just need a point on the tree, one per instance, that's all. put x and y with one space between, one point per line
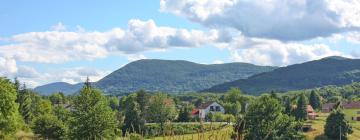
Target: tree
315 100
337 126
161 109
114 103
50 127
232 108
265 120
142 99
185 114
288 106
25 106
93 118
10 119
233 95
300 111
132 122
57 98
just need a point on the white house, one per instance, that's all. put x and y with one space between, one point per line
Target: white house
206 108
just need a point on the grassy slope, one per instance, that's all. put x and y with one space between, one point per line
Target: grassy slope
318 126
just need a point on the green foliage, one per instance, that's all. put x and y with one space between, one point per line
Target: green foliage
161 109
265 120
114 102
300 111
185 114
62 113
315 100
10 119
336 125
132 122
50 127
25 103
92 116
142 99
57 98
232 108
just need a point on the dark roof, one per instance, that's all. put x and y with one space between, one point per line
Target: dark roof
205 105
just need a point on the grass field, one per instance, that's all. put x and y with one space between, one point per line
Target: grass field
318 126
222 134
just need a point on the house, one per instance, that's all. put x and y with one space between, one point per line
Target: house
328 107
210 107
311 113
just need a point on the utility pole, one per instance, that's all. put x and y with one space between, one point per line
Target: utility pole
340 131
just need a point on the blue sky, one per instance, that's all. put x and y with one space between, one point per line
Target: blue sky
45 41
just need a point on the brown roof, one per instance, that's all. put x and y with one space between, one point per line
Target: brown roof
328 105
351 105
205 105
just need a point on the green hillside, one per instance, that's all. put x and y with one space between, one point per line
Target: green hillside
326 71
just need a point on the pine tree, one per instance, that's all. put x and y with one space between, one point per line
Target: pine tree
93 117
184 115
300 111
288 106
25 106
336 125
132 122
314 100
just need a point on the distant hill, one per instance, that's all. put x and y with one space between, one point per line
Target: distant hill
63 87
172 76
327 71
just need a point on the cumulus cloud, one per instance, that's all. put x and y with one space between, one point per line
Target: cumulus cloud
62 46
7 66
274 52
283 20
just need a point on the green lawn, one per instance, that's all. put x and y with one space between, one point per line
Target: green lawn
318 126
222 134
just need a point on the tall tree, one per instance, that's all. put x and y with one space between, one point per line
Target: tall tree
161 109
233 95
10 119
93 118
315 100
337 126
288 106
142 99
25 106
259 126
132 121
300 111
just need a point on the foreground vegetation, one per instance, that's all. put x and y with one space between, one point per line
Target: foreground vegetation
92 115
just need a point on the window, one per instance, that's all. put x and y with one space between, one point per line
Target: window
212 108
217 108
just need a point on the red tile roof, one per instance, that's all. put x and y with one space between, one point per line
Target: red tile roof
195 111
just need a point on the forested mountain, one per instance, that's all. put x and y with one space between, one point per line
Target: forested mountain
326 71
63 87
174 76
170 76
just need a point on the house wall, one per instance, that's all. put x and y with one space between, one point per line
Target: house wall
204 112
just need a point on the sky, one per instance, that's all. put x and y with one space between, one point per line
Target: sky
44 41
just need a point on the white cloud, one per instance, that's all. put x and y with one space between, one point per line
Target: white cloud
58 27
63 46
273 52
69 75
7 66
275 19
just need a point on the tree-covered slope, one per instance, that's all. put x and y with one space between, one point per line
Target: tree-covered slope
326 71
174 76
63 87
